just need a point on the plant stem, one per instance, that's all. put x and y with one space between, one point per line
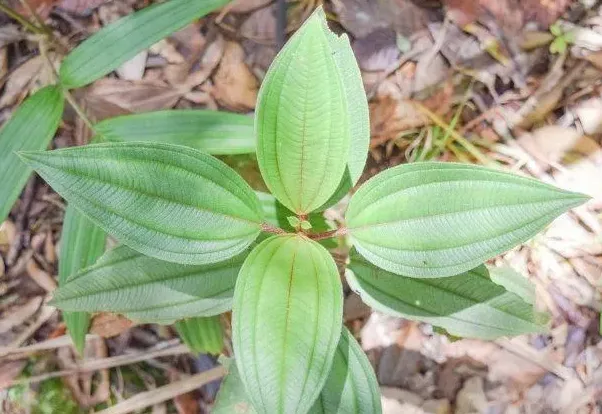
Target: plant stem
268 228
328 234
78 109
22 20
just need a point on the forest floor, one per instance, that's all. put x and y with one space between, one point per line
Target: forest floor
491 82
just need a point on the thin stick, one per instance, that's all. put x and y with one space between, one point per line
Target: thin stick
167 392
105 363
24 351
21 19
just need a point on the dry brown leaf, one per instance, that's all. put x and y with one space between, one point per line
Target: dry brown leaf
390 117
503 365
377 51
245 6
510 15
108 325
21 80
18 315
42 278
550 143
41 7
142 96
235 86
80 6
8 233
133 69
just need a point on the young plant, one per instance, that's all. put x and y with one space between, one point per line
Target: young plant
190 228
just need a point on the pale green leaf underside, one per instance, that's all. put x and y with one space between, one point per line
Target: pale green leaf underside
514 282
440 219
467 305
202 334
30 128
150 290
118 42
286 322
351 387
302 120
166 201
82 243
214 132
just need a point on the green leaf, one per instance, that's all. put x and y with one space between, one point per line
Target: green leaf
166 201
82 242
202 335
351 387
214 132
31 128
302 121
359 120
118 42
514 282
467 305
286 322
440 219
232 396
150 290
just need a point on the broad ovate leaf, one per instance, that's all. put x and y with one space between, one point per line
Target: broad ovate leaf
30 128
351 387
120 41
302 120
440 219
513 282
466 305
82 243
150 290
166 201
202 335
286 322
214 132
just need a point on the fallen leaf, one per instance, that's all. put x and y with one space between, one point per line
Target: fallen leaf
377 51
21 80
471 398
235 86
259 33
133 69
41 7
18 315
390 117
362 17
108 325
245 6
132 96
81 7
510 15
550 143
589 113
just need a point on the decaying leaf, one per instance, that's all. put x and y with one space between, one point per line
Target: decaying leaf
108 325
80 6
141 96
22 80
235 86
245 6
548 144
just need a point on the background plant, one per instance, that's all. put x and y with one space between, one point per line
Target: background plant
204 216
